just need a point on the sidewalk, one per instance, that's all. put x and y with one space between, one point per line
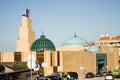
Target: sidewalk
96 78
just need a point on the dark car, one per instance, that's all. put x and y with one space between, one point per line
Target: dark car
89 75
72 75
99 74
41 78
54 76
104 73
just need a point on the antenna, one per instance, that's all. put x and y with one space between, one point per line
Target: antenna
75 35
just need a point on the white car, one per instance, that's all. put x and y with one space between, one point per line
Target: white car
109 77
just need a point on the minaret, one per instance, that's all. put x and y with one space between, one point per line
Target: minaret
26 34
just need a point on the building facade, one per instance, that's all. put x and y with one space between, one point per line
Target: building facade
75 53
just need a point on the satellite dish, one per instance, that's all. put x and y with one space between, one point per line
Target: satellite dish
44 64
37 67
31 64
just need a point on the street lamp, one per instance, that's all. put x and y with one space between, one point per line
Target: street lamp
107 68
44 64
31 62
81 68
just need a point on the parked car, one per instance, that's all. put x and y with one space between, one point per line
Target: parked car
60 74
99 74
89 75
44 78
72 75
109 77
54 76
41 78
104 73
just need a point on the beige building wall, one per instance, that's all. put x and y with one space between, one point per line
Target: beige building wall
112 56
26 37
74 60
110 62
88 62
50 59
7 56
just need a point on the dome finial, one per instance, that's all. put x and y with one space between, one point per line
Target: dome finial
42 32
75 35
43 36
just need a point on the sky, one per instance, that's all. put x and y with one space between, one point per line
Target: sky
59 19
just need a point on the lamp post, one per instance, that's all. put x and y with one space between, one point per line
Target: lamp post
107 68
44 64
81 68
31 62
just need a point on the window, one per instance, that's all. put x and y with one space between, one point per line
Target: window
58 58
50 59
17 56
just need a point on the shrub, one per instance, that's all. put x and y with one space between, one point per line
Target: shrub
2 68
20 66
116 72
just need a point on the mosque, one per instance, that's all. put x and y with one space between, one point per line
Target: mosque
75 53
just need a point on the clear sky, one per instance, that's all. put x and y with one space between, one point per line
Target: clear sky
59 19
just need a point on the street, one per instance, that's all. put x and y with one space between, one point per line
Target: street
96 78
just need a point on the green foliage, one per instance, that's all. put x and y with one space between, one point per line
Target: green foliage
116 72
2 68
24 66
19 66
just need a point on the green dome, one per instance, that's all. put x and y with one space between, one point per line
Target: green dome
75 41
42 44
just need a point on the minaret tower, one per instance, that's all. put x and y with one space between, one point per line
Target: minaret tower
26 34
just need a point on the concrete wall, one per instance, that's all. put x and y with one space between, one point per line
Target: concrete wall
7 56
75 60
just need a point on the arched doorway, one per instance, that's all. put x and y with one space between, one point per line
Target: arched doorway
40 59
